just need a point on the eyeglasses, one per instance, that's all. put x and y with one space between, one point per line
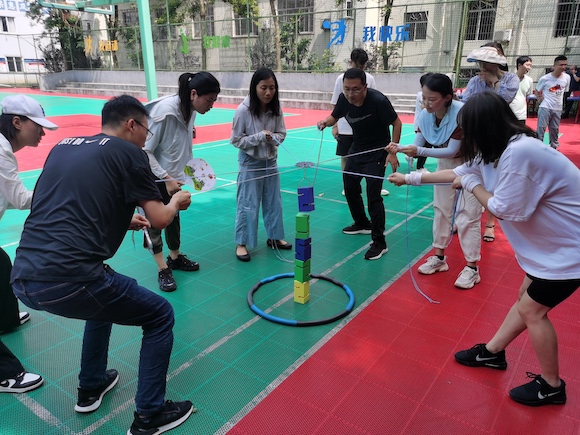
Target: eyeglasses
352 91
430 102
149 132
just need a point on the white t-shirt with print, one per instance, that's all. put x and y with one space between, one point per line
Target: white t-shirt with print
535 197
553 89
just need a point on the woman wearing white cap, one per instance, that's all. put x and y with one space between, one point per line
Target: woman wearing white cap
22 125
493 78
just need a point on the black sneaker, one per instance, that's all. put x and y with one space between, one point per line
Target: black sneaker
166 281
21 383
357 229
90 400
479 356
182 263
539 392
172 415
376 251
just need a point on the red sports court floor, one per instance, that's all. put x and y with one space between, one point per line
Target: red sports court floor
390 369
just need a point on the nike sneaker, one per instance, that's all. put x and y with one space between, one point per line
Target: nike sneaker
538 392
479 356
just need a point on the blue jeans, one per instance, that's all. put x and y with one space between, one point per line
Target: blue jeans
113 298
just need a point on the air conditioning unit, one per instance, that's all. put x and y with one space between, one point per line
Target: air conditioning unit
502 35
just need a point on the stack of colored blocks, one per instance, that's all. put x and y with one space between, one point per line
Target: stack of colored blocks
303 247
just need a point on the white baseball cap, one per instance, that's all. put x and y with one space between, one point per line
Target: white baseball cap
23 105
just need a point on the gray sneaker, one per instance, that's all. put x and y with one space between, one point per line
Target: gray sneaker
433 265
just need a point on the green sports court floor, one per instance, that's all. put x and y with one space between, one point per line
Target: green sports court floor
224 355
226 359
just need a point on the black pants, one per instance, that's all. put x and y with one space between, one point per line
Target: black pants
421 160
9 311
172 231
9 364
353 193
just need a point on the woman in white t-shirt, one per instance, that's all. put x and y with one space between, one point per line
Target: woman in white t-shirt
533 190
438 135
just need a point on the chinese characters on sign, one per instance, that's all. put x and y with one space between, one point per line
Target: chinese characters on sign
385 33
216 42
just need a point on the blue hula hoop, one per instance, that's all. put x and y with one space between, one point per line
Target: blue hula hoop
290 322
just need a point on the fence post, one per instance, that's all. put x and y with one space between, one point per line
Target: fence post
460 41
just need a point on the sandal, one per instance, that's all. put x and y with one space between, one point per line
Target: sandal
489 237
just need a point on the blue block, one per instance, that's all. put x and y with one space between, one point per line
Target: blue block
304 242
306 198
303 252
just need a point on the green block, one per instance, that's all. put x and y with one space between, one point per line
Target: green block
303 265
302 223
301 275
302 236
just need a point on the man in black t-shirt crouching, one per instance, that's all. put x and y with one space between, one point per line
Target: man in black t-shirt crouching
83 204
370 114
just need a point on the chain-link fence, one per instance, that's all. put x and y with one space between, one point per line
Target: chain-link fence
414 37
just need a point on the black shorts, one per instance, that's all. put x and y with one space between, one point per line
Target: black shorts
343 144
550 292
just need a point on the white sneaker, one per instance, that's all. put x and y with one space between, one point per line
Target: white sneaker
21 383
24 317
384 192
343 193
433 265
423 171
467 278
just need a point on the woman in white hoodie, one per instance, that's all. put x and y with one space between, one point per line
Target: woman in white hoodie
22 124
169 148
258 129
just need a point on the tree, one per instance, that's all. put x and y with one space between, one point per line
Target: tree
386 11
66 26
293 49
194 8
277 35
386 52
263 52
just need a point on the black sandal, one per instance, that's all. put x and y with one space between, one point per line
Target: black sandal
487 238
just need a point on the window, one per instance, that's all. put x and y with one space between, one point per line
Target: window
567 18
349 8
14 64
481 20
417 25
7 24
299 9
130 18
241 26
206 28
